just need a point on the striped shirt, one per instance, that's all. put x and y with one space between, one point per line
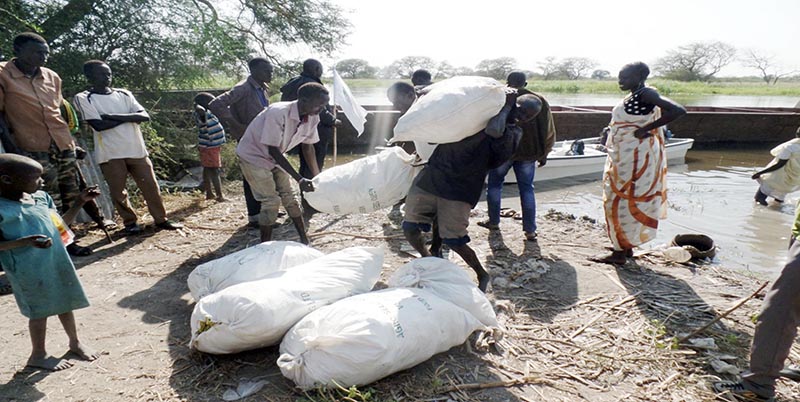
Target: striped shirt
210 133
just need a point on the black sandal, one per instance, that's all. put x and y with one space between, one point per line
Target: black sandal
78 251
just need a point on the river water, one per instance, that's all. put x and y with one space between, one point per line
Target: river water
712 194
377 96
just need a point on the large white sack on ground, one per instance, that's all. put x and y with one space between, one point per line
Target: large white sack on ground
250 264
448 281
451 110
364 185
256 314
364 338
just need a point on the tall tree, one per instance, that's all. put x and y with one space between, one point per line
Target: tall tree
766 65
356 68
169 43
403 68
496 68
697 61
573 68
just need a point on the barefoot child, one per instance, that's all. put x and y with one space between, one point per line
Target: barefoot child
35 257
210 137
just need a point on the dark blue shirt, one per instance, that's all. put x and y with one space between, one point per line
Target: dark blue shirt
457 171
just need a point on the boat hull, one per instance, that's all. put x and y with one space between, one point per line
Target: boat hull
592 162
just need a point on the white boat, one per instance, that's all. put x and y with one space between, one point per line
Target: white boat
560 164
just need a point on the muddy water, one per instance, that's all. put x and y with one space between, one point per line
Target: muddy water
711 194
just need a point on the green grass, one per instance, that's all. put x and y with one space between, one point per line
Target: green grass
733 86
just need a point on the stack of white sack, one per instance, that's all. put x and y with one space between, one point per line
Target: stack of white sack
364 338
247 265
364 185
451 110
256 314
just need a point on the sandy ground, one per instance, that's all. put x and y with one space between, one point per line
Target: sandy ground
576 330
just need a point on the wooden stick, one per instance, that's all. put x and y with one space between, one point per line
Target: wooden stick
496 384
723 315
597 317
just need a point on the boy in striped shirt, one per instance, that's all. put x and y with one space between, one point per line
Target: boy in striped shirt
210 137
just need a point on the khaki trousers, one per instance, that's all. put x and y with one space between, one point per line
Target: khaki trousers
116 172
271 188
776 328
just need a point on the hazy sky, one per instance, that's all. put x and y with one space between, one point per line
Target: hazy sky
613 32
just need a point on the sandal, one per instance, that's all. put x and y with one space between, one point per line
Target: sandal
791 372
518 216
5 286
78 251
531 236
507 212
489 225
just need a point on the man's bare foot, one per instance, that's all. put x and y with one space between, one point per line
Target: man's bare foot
49 363
615 258
84 352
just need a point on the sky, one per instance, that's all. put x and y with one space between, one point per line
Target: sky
612 32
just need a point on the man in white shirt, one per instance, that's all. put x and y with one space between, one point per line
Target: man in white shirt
115 115
279 128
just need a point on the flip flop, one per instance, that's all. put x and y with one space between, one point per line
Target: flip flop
78 251
518 216
791 372
507 212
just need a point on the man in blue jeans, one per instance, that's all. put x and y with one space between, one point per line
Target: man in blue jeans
538 137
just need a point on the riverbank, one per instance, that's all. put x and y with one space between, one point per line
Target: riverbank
576 330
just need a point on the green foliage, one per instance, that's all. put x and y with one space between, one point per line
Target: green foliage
697 61
496 68
355 68
156 44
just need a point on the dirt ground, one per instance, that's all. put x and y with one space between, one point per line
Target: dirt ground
575 330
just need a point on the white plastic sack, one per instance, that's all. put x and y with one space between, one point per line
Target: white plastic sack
451 110
424 150
364 338
448 281
364 185
250 264
256 314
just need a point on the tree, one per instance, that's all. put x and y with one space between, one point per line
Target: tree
170 43
549 67
600 74
574 68
765 64
496 68
406 66
444 70
697 61
463 71
356 68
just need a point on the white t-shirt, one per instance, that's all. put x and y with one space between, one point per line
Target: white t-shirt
122 141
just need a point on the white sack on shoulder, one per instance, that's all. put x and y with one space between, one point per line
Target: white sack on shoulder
364 338
256 314
250 264
451 110
364 185
448 281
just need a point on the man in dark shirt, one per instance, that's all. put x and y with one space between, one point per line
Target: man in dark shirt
238 107
312 72
451 183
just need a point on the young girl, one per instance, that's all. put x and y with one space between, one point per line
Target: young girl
35 259
210 137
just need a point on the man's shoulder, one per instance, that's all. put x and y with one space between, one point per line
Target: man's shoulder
49 73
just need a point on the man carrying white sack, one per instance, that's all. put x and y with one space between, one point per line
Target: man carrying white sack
451 183
274 131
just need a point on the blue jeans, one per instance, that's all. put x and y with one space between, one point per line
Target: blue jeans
524 171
